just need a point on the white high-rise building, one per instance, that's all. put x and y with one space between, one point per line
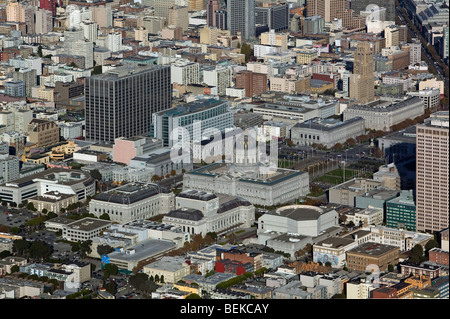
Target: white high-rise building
85 48
90 30
9 168
115 41
220 77
185 72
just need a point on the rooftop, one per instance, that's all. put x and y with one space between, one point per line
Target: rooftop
373 249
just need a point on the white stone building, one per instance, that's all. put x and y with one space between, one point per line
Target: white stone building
132 202
199 212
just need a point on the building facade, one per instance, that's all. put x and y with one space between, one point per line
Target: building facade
121 102
432 194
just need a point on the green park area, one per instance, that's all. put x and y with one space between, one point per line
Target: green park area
336 177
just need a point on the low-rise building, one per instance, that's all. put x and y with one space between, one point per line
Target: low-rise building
199 212
383 115
326 132
132 201
372 256
168 269
53 201
333 250
84 229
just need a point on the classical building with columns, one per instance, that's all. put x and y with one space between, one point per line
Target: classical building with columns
199 212
279 187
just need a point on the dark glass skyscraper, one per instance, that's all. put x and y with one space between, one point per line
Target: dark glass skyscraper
241 18
120 102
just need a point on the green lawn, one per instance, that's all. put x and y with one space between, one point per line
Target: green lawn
335 177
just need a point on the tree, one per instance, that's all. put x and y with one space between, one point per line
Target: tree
96 174
40 250
105 216
390 268
45 211
431 244
51 215
20 246
377 153
337 147
104 249
193 296
112 269
247 50
417 250
350 142
111 287
40 51
30 206
173 172
98 69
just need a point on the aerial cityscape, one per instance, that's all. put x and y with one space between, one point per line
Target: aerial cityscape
224 150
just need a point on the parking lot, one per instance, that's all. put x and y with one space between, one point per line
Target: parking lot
14 218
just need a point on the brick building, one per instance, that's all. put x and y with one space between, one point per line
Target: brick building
438 256
237 255
384 293
253 83
363 257
432 271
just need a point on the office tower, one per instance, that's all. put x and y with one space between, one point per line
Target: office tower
44 21
48 5
432 193
253 83
90 30
195 5
71 36
361 5
241 18
392 36
313 25
415 52
178 17
115 41
15 88
9 168
221 19
15 12
162 8
120 102
273 15
102 15
28 76
362 80
339 9
208 113
85 48
211 8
